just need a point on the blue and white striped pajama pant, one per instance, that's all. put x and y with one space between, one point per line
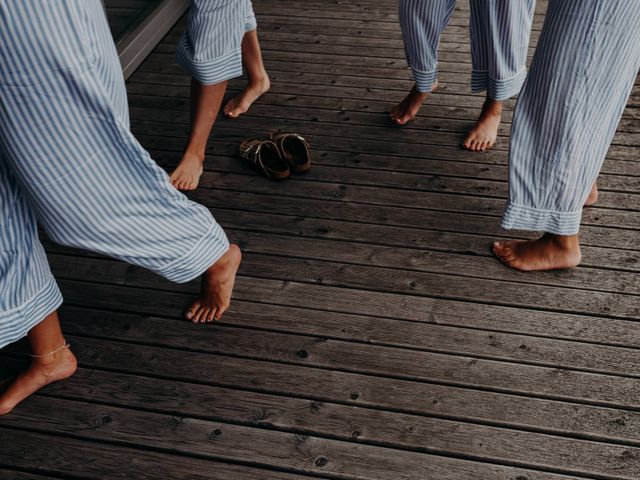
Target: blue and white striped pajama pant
499 33
582 73
211 47
69 161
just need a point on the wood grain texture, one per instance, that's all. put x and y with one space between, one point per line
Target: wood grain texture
372 334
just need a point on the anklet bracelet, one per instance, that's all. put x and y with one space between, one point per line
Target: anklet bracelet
65 345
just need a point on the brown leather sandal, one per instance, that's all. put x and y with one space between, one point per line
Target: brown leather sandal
265 156
294 149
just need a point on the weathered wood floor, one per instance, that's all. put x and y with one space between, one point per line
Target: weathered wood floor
372 335
125 13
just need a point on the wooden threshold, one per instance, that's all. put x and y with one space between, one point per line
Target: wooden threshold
137 43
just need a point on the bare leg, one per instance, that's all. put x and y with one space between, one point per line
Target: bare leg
205 105
408 108
593 196
484 133
216 288
259 82
549 252
44 338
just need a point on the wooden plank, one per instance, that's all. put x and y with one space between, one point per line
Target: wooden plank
329 456
410 284
438 189
70 458
596 236
344 419
415 399
442 312
137 41
121 15
411 260
398 365
298 453
7 474
377 331
351 422
354 388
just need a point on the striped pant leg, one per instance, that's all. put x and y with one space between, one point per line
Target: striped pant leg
28 292
580 79
422 22
211 48
85 176
499 33
250 22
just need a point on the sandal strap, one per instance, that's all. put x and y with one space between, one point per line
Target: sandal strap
280 137
250 151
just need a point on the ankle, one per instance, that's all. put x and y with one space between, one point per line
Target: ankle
52 361
260 80
197 155
417 94
493 107
564 242
233 255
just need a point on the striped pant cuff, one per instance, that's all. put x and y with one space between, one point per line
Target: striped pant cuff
502 89
16 323
211 72
425 80
207 251
251 23
519 217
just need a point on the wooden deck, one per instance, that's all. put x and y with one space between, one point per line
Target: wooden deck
372 335
123 14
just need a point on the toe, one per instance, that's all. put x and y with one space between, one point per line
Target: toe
194 311
4 409
201 314
191 311
211 316
498 248
507 255
221 309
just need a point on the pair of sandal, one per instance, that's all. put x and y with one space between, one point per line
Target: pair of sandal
277 157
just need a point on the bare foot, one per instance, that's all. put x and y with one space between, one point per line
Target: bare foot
593 196
187 174
41 372
484 133
216 288
252 92
549 252
408 108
